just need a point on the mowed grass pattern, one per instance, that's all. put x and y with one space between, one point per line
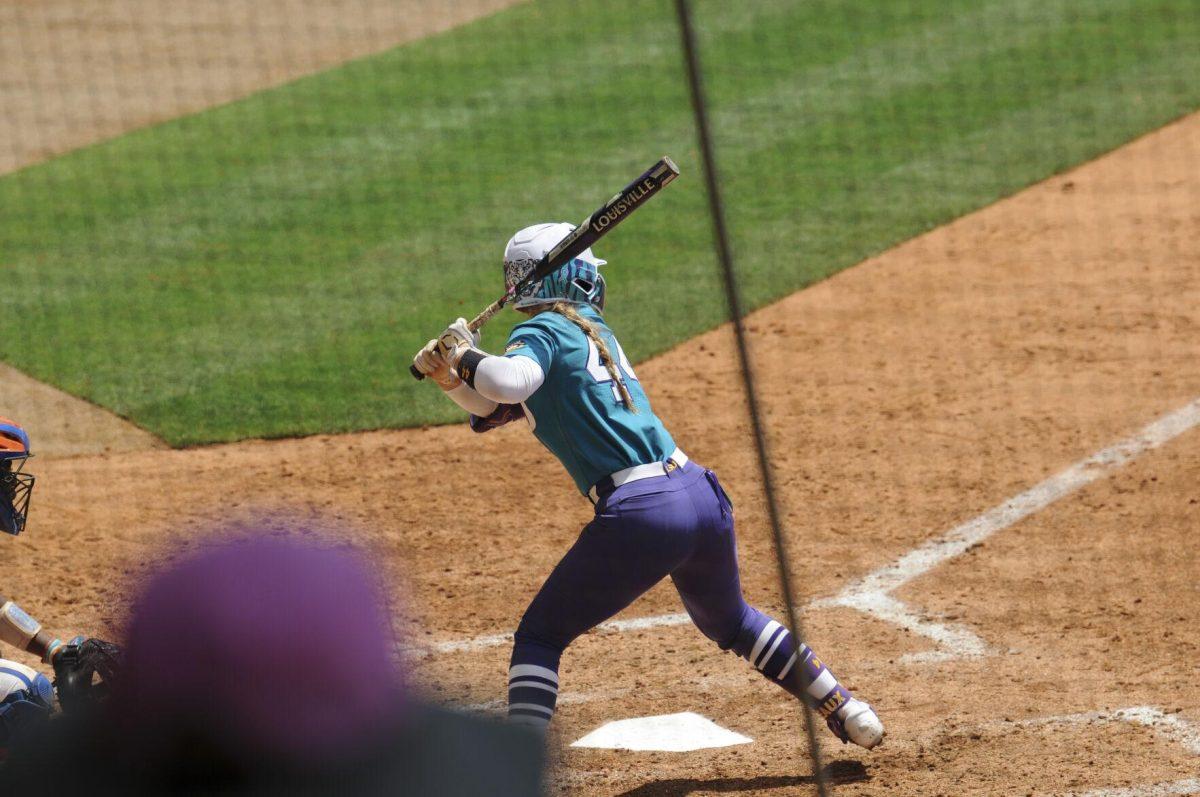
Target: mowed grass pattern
267 268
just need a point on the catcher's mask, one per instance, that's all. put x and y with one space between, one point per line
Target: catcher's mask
15 487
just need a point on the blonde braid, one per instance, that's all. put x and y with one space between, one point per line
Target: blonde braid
568 311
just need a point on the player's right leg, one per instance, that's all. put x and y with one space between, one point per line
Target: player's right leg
711 590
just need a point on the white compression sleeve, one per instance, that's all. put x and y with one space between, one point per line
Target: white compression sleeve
471 401
508 380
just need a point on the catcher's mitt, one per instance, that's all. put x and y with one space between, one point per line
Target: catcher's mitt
84 671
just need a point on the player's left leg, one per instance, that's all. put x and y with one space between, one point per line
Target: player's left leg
622 553
710 587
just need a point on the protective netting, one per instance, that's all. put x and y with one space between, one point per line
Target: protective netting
958 238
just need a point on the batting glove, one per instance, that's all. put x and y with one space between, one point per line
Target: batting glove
456 341
430 362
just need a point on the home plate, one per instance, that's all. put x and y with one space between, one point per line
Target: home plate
672 733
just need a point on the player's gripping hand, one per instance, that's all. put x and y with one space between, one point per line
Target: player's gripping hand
456 341
430 362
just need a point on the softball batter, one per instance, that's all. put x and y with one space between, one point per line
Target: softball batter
657 513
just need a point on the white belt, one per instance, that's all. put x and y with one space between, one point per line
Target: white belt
637 472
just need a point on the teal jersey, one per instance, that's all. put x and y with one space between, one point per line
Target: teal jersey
577 413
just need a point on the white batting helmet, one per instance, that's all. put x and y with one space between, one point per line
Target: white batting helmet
577 281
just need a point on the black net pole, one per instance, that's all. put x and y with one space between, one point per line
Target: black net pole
733 297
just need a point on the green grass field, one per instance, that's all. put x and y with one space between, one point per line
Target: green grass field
267 268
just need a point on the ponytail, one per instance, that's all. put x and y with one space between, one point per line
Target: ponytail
568 311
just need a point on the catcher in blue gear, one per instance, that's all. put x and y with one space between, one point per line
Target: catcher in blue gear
77 661
657 512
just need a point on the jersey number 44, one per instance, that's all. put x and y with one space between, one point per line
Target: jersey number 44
596 368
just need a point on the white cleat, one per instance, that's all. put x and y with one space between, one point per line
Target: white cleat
861 724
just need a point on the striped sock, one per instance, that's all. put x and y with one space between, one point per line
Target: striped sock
767 645
822 689
532 693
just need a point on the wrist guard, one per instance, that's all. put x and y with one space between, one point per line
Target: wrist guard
468 365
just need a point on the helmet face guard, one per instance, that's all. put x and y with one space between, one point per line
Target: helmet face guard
15 490
15 486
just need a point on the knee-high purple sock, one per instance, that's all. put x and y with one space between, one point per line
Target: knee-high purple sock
769 646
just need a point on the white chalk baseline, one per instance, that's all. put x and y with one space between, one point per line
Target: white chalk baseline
1170 726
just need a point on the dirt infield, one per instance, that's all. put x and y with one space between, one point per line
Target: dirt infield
64 424
906 396
79 71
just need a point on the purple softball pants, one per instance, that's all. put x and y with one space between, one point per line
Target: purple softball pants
678 525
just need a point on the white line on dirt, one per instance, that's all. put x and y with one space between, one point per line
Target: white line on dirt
747 679
495 640
1170 726
564 699
870 594
1168 789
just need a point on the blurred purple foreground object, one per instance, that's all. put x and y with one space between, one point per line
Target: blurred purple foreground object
275 646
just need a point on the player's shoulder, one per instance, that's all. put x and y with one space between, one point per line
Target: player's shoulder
538 337
545 323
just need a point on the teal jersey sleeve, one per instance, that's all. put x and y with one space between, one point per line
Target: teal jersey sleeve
535 340
578 413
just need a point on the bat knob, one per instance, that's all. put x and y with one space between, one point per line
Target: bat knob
417 375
